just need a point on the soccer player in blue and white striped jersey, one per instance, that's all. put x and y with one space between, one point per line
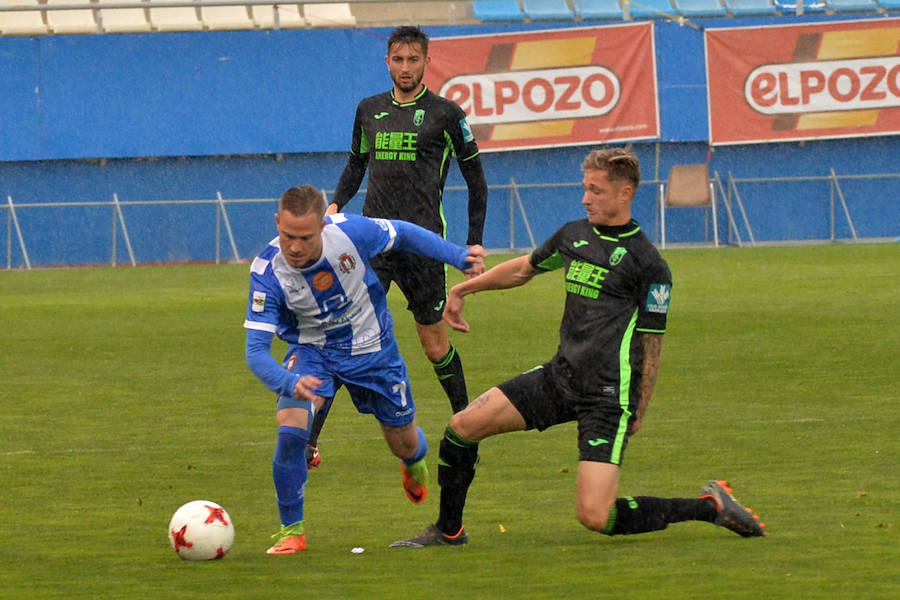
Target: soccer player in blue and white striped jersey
312 286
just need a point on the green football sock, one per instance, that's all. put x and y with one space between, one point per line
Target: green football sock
419 471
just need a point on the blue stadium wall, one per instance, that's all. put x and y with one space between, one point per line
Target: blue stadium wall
184 116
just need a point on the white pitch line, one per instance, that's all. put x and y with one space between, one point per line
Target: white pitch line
159 447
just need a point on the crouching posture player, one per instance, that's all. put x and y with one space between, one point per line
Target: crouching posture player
617 300
312 287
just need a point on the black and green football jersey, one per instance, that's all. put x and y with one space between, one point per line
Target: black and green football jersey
617 285
408 149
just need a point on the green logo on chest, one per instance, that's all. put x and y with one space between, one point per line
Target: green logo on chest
617 256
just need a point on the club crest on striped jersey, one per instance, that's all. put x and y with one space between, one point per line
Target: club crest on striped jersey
346 263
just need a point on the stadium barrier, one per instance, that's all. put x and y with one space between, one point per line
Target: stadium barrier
219 230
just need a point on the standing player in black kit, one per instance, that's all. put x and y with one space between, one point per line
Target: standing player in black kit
406 138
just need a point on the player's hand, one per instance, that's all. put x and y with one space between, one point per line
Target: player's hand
453 312
331 210
475 261
305 388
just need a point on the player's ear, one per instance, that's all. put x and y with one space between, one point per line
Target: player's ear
277 220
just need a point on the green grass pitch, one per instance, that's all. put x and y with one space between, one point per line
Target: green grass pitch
124 393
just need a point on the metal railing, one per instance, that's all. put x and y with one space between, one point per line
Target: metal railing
119 244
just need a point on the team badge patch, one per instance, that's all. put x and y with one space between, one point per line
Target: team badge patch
259 302
617 256
468 136
419 117
346 263
658 298
291 362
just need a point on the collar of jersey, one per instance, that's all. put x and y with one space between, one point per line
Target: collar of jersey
613 233
414 100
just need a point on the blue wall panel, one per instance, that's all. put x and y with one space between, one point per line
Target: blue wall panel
20 109
249 113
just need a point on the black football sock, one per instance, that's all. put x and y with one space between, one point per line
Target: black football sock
456 470
643 514
449 371
319 422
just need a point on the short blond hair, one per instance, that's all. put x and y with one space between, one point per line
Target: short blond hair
620 164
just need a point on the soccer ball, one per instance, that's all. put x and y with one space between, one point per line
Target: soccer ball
201 530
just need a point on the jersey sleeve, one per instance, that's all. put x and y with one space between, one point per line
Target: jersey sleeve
654 294
546 257
264 299
261 323
357 161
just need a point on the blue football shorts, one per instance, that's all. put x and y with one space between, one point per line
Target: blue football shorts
378 382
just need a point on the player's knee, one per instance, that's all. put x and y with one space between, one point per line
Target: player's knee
594 516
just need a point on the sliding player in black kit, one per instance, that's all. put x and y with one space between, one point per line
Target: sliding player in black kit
602 377
406 138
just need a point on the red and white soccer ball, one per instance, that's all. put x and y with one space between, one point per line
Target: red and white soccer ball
201 530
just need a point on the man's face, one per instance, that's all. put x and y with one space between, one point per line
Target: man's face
300 238
606 202
406 64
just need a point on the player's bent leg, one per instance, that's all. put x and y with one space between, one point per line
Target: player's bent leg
598 484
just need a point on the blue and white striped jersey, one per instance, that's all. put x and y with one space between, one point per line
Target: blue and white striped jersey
337 303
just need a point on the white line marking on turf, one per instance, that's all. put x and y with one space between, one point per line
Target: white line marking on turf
158 447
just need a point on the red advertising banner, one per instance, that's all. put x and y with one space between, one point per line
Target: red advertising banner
800 82
551 88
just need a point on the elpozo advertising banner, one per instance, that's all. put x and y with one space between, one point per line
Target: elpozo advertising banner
800 82
551 88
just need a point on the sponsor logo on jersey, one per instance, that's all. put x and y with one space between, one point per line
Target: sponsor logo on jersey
323 280
468 136
396 145
658 298
580 243
259 302
419 117
585 279
617 256
346 262
380 115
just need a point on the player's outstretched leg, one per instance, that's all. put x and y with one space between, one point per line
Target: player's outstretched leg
456 470
731 514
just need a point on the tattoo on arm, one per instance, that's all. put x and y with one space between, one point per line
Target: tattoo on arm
652 346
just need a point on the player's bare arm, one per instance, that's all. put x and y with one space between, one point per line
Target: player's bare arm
652 346
509 274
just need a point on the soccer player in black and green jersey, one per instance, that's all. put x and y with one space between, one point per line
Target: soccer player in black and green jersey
602 376
406 138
